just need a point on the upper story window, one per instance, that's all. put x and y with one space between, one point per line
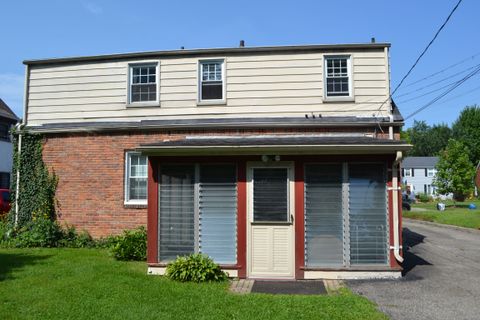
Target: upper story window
135 178
430 172
337 76
143 83
212 83
407 172
4 131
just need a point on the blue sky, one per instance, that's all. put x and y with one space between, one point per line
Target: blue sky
54 28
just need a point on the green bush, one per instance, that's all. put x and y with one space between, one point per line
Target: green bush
424 198
42 232
196 268
131 245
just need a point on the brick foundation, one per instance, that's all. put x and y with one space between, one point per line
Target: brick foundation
90 167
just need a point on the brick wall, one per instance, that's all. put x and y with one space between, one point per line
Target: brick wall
90 167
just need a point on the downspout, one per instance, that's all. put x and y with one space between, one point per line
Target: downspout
18 127
396 218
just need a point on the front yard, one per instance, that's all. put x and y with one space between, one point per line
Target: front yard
458 215
88 284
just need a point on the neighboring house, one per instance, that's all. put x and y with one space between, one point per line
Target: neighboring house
418 174
7 120
275 161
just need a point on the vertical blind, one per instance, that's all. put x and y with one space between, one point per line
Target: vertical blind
323 215
345 218
177 211
368 214
198 211
218 212
270 194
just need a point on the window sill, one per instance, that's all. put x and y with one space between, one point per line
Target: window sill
212 103
154 104
338 99
135 205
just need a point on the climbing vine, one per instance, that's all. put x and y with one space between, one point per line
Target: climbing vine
36 186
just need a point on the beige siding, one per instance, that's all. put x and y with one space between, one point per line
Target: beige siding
260 85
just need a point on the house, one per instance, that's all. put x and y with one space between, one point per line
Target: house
7 120
277 162
418 174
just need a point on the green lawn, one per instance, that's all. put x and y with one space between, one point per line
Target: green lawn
88 284
458 215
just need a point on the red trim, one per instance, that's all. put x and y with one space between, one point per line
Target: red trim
152 220
242 219
393 262
299 220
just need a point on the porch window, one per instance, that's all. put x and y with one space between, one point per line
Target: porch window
337 76
345 215
211 80
270 191
198 211
135 178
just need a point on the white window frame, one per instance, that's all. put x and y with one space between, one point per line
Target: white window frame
223 61
130 67
408 172
431 173
127 177
350 96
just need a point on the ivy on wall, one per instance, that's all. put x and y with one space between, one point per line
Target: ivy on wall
36 186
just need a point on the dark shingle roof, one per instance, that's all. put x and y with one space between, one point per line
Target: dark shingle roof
7 113
419 162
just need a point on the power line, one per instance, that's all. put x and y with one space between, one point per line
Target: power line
453 87
437 82
423 53
441 71
432 91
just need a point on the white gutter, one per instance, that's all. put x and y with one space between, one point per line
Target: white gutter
396 214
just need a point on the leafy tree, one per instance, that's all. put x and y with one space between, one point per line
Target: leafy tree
467 129
427 141
455 171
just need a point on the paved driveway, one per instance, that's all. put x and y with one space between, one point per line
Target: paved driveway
442 276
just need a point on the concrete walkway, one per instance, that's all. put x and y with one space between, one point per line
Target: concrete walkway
442 276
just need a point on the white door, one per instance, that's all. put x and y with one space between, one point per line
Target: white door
270 220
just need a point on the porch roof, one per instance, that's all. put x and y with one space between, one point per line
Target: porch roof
259 145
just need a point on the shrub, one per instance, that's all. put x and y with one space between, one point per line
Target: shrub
422 197
131 245
195 267
42 232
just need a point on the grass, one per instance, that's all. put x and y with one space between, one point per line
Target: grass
88 284
457 215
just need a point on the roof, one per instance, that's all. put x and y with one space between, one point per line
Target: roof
211 51
217 123
7 113
419 162
280 144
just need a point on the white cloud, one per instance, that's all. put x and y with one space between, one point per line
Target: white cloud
93 8
11 91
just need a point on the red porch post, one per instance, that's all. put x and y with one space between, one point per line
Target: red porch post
299 220
242 219
152 220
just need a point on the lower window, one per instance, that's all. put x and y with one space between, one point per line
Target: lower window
345 215
198 211
135 178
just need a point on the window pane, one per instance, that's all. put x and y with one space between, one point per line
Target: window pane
176 211
212 91
270 194
218 212
143 84
368 214
323 215
138 188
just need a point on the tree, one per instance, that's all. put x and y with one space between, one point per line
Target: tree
467 129
427 141
455 172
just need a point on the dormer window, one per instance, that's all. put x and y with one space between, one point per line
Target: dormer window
212 82
337 76
143 83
